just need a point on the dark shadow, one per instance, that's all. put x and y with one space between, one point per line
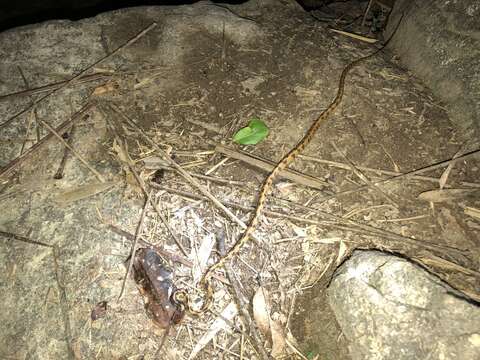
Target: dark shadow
24 12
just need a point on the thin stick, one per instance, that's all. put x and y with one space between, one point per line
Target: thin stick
242 302
362 177
356 36
142 185
63 304
367 10
378 171
216 166
204 125
60 129
180 170
23 239
203 177
371 229
67 83
135 242
170 230
407 174
168 254
73 151
237 206
267 165
61 167
351 225
48 87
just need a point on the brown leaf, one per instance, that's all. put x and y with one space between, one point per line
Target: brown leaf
445 195
103 89
278 340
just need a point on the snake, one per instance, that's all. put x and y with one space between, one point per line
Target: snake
181 296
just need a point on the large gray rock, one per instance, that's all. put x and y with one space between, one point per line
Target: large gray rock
439 41
389 308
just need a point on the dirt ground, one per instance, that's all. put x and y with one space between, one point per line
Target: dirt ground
387 124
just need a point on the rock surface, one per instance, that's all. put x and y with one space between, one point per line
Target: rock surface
389 308
439 41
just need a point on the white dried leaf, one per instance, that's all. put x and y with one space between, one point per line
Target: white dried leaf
445 195
473 212
196 219
332 240
342 249
228 313
261 312
203 254
278 340
299 231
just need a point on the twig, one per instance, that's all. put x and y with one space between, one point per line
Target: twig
443 179
237 206
348 225
60 129
202 124
418 217
216 166
200 176
63 305
295 350
25 81
74 152
242 303
170 255
406 175
356 36
23 239
170 230
362 177
378 171
61 167
142 185
373 230
135 242
351 225
45 88
267 165
81 73
367 10
180 170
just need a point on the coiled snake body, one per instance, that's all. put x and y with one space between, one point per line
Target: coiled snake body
181 296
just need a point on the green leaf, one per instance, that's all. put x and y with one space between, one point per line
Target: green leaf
255 132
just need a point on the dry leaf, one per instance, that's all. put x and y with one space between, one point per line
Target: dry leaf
261 312
203 254
219 324
278 340
443 179
82 192
327 241
473 212
271 329
445 195
103 89
342 249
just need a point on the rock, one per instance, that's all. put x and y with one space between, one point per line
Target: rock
438 41
390 308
